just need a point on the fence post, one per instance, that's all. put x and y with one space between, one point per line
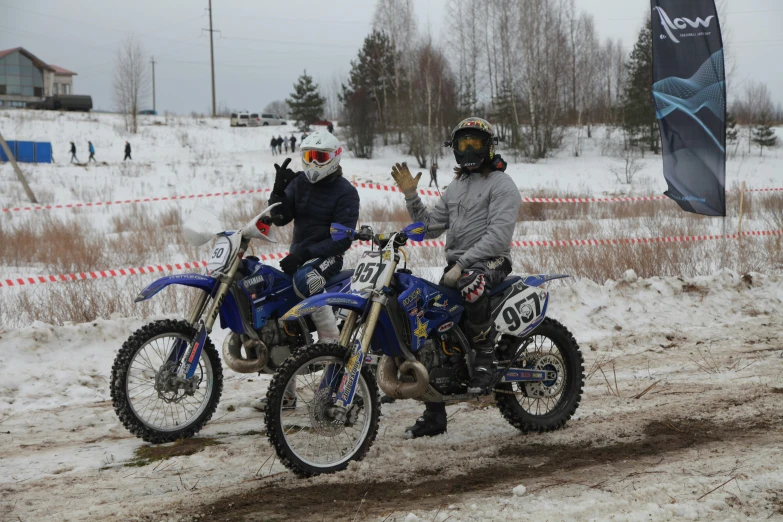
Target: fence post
742 200
19 174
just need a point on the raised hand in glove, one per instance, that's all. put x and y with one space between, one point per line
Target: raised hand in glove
283 176
292 262
406 182
451 277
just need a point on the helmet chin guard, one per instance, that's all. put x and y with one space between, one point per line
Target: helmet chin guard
321 153
473 141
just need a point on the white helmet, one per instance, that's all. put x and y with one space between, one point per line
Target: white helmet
321 153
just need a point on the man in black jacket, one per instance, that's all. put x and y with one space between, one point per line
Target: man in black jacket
127 152
314 199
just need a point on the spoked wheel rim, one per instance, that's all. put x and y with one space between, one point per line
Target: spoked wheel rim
542 398
309 430
170 410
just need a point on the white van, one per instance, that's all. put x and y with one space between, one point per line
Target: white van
234 119
254 120
271 119
243 120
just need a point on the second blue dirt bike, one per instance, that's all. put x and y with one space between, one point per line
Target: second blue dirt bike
416 325
167 378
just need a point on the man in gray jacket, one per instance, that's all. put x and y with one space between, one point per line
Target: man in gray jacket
480 208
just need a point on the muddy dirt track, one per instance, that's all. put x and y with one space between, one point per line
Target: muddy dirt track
662 441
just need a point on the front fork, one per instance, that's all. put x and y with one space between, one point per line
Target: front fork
192 354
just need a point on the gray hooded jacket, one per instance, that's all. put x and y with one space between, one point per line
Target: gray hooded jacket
481 212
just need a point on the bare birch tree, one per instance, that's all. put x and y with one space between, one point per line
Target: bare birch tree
131 81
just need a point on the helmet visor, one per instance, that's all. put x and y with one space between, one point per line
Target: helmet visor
320 157
466 142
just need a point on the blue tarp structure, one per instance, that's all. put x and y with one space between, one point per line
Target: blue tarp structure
29 151
25 151
11 146
43 152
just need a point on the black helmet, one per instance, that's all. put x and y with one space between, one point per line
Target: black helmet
473 141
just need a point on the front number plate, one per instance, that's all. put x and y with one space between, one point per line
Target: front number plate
220 254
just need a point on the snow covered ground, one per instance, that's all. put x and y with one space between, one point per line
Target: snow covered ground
709 347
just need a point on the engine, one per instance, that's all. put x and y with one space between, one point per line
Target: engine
445 362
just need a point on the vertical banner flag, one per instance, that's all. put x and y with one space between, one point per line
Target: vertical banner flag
689 90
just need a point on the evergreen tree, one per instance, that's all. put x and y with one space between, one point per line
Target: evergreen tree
639 120
763 135
307 105
732 132
369 97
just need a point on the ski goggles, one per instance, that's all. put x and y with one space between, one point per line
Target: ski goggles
319 156
464 143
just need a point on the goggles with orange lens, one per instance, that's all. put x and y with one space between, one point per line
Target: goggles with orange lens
318 156
464 143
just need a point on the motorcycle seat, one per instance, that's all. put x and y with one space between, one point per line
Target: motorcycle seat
342 275
510 280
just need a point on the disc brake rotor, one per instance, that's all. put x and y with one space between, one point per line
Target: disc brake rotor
551 363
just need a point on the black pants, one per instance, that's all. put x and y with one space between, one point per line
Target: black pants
475 284
127 156
92 158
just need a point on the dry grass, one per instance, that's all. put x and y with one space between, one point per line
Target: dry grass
141 234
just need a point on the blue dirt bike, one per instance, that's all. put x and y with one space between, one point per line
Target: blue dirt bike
416 325
167 377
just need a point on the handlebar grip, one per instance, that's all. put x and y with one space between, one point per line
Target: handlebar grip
438 227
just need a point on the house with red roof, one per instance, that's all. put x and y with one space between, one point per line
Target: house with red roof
26 78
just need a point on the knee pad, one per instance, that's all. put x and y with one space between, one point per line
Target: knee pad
308 281
472 286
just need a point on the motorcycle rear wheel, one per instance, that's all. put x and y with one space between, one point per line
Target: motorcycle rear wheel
307 440
541 407
148 413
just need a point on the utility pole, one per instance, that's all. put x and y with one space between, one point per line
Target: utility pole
153 83
212 58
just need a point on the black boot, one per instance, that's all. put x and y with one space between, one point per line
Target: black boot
484 368
431 423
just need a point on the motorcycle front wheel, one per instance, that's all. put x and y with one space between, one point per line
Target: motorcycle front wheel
300 421
149 400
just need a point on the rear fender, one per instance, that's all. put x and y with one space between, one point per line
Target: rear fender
540 279
206 283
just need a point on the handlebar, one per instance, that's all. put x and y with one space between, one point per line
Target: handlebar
414 232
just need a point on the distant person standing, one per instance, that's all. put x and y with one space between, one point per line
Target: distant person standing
127 152
273 144
279 145
434 174
330 128
293 143
92 152
73 153
285 144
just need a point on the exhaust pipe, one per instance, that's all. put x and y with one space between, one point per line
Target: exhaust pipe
232 354
413 381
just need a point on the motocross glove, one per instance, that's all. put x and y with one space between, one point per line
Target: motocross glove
406 182
451 277
283 176
291 263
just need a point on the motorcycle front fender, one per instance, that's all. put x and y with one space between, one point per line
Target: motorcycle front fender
206 283
353 302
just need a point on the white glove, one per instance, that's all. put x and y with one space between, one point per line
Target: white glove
451 277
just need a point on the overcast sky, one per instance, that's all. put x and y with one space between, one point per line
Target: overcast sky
263 46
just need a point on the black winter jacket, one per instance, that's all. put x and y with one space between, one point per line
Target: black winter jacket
314 207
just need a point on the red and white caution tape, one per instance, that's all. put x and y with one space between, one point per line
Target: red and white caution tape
391 188
368 186
103 274
118 272
593 200
137 200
